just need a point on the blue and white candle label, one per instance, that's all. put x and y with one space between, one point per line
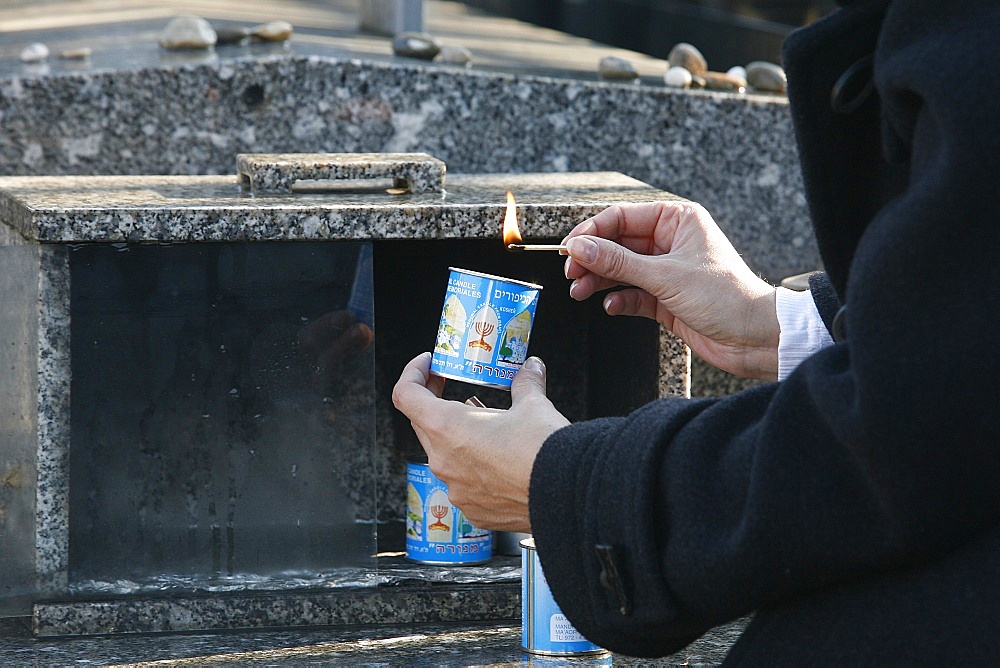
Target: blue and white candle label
484 328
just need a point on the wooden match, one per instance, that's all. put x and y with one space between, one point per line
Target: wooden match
536 247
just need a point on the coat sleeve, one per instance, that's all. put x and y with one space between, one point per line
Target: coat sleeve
825 298
875 454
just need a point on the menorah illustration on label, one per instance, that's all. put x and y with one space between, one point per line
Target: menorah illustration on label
439 508
483 335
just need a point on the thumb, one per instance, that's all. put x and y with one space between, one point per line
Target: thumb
606 259
529 382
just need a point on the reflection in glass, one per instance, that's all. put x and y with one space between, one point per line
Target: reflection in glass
222 412
19 266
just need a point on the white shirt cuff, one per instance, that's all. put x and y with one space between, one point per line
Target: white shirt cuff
802 329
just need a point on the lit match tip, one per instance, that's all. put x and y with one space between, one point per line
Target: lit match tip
536 247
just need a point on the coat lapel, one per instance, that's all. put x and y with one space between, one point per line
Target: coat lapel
842 166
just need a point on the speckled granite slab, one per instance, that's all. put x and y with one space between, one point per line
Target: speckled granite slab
54 209
439 644
50 215
413 172
408 593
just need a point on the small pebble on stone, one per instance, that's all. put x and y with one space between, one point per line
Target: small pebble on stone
687 56
738 71
698 81
76 54
614 68
188 32
273 31
766 76
677 77
231 34
454 55
416 45
798 282
720 81
35 53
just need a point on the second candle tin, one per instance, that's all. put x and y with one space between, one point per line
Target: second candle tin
436 531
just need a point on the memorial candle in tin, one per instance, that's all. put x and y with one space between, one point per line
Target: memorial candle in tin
485 325
544 628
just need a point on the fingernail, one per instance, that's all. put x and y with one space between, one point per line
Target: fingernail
582 248
534 364
566 267
607 304
572 288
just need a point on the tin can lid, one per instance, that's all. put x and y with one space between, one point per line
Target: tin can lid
496 278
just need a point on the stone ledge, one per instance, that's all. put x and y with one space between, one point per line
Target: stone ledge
402 604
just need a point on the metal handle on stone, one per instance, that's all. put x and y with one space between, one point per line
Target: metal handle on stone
291 172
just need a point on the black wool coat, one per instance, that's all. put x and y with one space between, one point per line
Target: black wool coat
854 507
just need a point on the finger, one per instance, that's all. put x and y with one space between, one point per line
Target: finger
634 226
619 221
582 254
529 381
638 220
410 393
589 284
436 385
608 224
631 301
610 261
573 269
586 227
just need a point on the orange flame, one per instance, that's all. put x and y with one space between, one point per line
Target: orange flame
511 233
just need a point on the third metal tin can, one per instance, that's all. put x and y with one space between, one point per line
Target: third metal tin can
484 328
436 531
544 628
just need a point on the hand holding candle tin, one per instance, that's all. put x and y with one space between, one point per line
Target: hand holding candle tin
484 455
